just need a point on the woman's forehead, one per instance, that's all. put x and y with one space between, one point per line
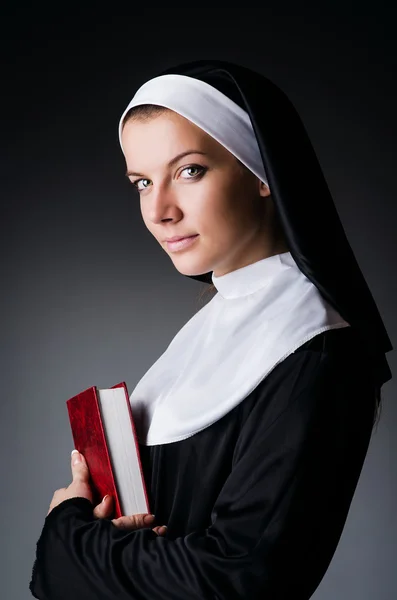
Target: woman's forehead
170 122
165 135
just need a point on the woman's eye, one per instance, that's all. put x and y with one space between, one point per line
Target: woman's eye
194 172
197 170
137 182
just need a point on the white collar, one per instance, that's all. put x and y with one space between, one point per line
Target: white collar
262 313
249 279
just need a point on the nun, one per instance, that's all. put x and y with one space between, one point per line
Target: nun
255 422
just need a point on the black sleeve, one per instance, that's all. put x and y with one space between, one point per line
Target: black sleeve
277 520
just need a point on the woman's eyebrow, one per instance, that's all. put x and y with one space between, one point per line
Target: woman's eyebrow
171 163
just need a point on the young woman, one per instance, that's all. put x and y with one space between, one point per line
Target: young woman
255 422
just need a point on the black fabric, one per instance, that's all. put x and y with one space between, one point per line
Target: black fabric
311 224
255 504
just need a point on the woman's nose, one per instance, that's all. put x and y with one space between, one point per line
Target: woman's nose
163 204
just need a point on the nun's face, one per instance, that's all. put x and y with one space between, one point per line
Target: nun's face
190 185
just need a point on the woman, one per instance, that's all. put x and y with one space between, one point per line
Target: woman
255 422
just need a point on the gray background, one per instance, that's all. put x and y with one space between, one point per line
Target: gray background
88 298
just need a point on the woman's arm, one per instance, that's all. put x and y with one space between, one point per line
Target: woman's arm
275 525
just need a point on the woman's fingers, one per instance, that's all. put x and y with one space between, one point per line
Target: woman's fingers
138 521
160 529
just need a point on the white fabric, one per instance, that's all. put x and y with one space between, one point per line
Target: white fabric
261 314
209 109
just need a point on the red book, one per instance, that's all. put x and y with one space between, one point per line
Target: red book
103 431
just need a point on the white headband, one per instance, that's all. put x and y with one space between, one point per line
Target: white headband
209 109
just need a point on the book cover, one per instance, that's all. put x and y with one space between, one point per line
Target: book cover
89 437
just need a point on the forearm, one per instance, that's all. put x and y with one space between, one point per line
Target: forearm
81 557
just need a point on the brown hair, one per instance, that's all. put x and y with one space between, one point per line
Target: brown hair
144 112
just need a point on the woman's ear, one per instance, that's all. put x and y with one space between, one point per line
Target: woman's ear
263 188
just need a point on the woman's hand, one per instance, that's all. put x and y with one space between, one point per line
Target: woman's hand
105 509
80 487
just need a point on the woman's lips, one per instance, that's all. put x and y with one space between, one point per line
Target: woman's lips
182 244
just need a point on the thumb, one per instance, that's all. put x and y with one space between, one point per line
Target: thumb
105 508
80 470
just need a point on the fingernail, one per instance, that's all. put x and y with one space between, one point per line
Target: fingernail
77 457
163 529
104 498
148 518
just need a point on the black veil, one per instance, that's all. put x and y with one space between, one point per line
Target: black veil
309 218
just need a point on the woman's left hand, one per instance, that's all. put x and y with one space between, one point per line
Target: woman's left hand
80 485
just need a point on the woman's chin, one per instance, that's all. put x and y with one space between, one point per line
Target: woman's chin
191 270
